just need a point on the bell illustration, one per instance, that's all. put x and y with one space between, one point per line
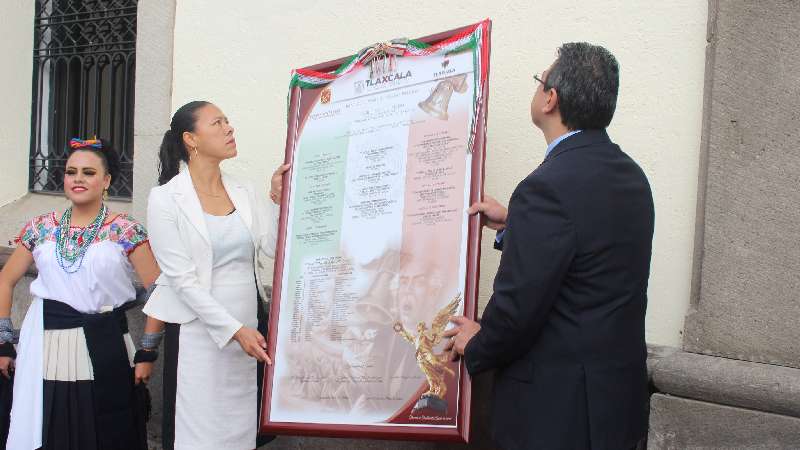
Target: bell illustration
459 83
436 103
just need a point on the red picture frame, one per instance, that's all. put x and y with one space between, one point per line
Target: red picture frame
297 110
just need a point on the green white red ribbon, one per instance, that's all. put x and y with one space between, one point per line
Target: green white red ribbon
471 38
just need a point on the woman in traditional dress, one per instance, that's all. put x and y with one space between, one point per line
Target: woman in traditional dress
75 384
208 231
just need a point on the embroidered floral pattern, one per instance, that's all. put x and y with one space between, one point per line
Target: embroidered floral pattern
130 236
36 231
122 229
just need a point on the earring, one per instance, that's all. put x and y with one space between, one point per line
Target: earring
195 152
105 194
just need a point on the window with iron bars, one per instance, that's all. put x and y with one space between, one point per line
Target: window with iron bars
83 84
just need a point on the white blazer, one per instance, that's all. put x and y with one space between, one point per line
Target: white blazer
181 244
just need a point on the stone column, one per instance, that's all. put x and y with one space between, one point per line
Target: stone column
153 106
737 381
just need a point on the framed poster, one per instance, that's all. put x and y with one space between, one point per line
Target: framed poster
376 251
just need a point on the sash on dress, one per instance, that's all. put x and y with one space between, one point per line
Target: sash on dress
26 411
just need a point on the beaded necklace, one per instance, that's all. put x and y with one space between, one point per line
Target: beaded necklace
68 257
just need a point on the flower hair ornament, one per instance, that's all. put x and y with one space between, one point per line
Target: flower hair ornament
76 143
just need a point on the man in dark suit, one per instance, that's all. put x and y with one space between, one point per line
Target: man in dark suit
564 329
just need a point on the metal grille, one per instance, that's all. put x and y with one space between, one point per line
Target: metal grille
83 81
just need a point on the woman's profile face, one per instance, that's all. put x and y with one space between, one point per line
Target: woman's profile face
212 136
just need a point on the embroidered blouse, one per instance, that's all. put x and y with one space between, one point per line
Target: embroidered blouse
106 276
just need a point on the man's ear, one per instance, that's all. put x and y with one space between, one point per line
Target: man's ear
551 102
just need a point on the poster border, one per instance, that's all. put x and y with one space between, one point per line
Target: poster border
461 432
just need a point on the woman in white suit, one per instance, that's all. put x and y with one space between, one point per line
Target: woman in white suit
208 231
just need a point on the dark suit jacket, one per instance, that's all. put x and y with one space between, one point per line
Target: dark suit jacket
565 326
